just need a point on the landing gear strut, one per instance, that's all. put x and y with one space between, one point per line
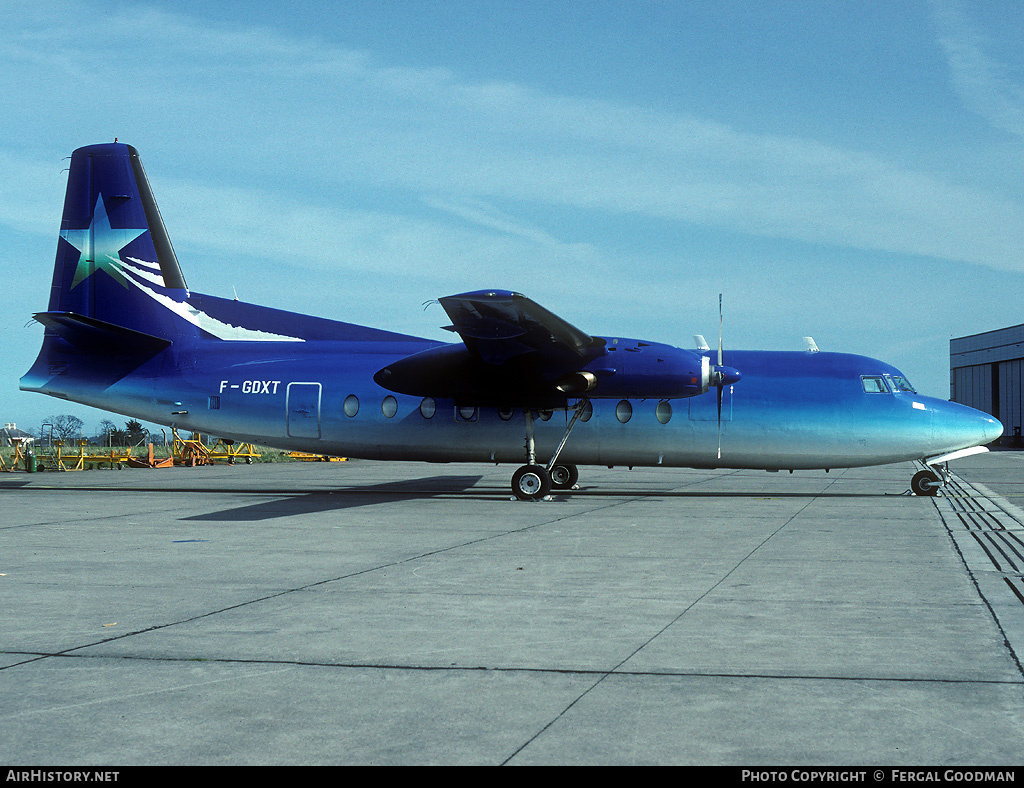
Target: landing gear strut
532 481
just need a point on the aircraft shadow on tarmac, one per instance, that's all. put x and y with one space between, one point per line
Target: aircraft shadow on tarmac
465 487
346 498
296 502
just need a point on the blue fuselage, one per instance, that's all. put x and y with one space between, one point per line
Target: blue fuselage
791 410
123 332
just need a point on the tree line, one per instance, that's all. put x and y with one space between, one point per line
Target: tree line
68 430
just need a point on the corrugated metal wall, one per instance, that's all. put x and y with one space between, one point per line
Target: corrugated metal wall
985 372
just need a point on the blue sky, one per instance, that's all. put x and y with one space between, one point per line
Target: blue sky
850 171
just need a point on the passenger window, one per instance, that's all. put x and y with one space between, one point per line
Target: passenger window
663 412
874 385
428 407
623 411
389 407
351 405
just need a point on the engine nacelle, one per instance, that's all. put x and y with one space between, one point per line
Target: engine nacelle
576 383
637 369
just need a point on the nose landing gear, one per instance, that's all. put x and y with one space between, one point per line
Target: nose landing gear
926 482
935 470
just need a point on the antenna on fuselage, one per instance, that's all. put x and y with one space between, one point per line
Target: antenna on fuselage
812 346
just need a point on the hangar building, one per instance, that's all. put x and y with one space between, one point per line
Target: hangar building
985 372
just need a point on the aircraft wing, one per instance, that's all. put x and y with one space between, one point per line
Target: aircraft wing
515 352
498 325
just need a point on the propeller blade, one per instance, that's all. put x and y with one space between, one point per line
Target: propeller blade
719 421
720 362
718 375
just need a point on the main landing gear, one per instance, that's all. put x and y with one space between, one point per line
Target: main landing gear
532 482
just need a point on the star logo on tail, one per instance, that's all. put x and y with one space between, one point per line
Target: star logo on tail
100 246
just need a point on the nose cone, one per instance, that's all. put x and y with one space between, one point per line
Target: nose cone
993 429
960 427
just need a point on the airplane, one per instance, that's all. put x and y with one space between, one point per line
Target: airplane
123 332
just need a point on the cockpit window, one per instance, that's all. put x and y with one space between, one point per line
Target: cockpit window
874 385
902 384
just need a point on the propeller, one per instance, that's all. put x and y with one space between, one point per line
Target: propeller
722 376
719 376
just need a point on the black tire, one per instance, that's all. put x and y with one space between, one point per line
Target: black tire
531 483
925 483
564 476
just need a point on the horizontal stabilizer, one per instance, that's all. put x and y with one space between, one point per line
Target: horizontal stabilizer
97 336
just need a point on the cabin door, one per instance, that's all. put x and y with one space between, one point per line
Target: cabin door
303 403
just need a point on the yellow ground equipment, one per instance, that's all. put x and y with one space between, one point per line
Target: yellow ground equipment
194 451
17 458
304 457
190 451
151 461
229 451
56 459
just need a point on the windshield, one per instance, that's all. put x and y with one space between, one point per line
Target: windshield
902 384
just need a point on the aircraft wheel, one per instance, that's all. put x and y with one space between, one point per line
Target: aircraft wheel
531 483
925 483
563 477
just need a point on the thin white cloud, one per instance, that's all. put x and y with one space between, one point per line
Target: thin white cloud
484 215
980 81
298 115
275 229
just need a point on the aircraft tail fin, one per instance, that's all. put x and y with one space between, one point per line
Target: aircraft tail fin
115 262
118 297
